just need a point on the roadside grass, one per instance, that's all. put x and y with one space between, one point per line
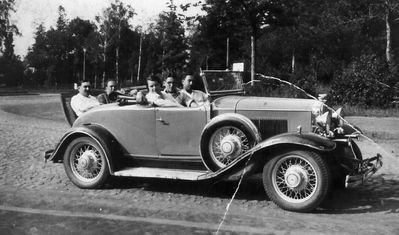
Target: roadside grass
370 112
381 135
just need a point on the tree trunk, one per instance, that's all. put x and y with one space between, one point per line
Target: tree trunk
227 52
139 65
388 34
104 63
117 65
253 61
293 61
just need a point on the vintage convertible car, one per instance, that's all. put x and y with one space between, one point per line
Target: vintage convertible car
298 146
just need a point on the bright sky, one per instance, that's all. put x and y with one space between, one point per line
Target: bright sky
30 13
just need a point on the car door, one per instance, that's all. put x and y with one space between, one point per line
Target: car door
178 131
133 127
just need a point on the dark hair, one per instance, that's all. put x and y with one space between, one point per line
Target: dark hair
154 78
185 75
81 81
169 76
109 80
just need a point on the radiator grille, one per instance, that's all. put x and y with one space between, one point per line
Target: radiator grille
268 128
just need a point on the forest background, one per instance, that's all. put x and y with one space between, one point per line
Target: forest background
348 49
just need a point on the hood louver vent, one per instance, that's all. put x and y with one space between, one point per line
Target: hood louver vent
268 128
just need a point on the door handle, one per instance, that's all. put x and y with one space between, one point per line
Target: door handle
162 121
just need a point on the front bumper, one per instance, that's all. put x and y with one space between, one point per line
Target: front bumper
364 170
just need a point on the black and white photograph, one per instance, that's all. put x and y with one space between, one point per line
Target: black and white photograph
199 117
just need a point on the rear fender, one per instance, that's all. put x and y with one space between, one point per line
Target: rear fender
104 138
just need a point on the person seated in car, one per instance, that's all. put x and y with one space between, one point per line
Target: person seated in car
83 101
171 90
155 96
170 86
190 97
105 98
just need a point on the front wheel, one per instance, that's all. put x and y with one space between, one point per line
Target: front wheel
297 180
85 163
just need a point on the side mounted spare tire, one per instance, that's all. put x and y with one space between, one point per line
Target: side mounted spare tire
226 138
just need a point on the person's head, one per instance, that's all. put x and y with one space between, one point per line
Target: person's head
169 84
84 88
187 82
110 87
153 83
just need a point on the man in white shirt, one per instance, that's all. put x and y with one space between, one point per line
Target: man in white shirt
83 101
190 97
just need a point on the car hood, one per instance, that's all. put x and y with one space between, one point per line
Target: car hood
265 103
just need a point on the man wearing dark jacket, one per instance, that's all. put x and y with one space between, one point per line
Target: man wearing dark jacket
104 98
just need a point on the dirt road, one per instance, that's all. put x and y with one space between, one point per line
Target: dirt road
37 198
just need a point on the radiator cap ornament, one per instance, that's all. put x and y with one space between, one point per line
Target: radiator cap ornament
299 129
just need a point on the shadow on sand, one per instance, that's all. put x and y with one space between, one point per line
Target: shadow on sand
379 194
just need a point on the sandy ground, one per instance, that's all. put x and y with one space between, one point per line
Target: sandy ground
38 198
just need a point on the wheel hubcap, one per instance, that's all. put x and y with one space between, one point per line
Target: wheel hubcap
230 145
295 177
88 160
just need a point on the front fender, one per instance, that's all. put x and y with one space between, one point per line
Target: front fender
103 137
267 148
309 140
253 160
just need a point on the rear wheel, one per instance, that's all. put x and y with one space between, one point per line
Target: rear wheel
297 180
85 163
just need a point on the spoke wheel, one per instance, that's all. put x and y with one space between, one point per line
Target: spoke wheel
225 141
226 144
297 180
85 163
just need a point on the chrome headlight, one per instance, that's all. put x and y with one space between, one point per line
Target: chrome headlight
330 123
338 117
338 121
324 120
342 127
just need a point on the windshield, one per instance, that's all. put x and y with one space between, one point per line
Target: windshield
224 80
221 82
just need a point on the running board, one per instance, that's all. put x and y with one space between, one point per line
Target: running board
150 172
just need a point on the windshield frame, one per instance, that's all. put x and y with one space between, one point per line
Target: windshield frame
222 92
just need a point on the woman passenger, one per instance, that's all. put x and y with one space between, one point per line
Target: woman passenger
155 96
